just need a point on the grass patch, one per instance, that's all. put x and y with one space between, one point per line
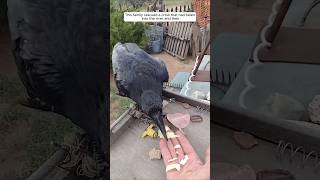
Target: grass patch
26 133
118 104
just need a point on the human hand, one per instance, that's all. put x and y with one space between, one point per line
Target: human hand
194 169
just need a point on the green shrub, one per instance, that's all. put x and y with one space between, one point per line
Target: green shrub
123 32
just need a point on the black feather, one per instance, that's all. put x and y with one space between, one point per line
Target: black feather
136 71
61 58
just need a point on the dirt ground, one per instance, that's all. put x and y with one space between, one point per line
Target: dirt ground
174 64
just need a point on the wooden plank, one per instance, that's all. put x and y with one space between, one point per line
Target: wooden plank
182 48
174 29
177 47
166 42
174 45
189 28
195 35
183 31
170 28
177 30
189 32
173 24
169 43
186 49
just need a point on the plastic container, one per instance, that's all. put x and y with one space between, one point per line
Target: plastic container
155 36
156 46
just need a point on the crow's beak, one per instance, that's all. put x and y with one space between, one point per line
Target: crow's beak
157 118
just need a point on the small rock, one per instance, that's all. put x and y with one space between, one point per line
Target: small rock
283 106
244 140
154 154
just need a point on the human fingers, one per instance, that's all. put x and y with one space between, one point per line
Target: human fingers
186 146
166 155
172 151
178 148
207 155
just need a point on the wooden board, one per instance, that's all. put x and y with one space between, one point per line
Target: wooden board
178 40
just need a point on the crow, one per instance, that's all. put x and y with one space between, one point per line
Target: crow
60 51
140 77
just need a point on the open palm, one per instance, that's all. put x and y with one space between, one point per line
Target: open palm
193 169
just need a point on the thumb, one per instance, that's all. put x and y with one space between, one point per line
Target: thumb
207 156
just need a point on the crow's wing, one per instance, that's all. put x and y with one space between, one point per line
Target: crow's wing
130 63
160 67
60 51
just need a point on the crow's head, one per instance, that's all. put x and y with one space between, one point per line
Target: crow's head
151 103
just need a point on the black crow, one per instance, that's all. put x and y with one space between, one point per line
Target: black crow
140 77
60 51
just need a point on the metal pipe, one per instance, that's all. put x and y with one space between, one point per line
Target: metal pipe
48 166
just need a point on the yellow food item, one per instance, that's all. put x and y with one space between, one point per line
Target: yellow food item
150 132
169 133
